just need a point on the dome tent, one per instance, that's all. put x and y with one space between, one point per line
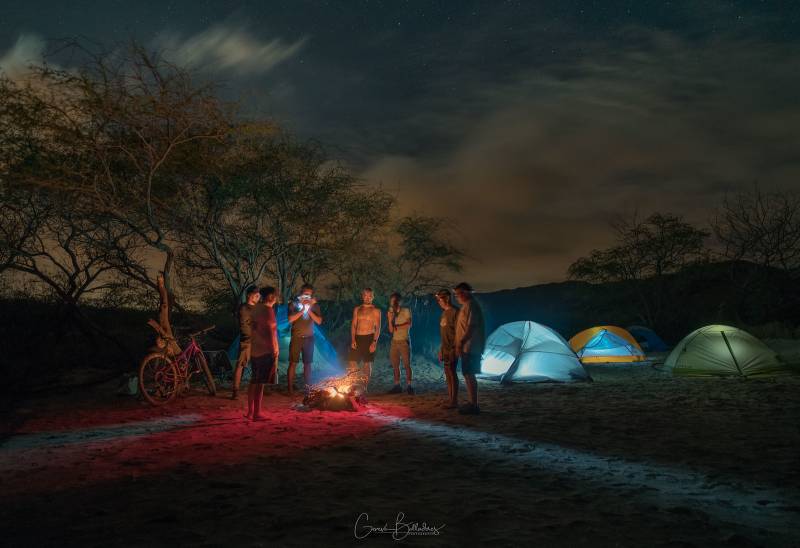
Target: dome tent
648 339
531 352
721 350
606 344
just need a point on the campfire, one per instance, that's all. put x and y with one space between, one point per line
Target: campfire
338 393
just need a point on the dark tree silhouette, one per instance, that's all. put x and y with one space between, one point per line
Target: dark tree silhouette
120 130
762 230
645 252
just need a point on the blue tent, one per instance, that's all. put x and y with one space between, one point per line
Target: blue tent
606 344
647 339
528 351
326 362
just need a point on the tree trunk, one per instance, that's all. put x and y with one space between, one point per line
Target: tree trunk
165 302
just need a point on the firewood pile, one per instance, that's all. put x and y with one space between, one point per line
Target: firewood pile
337 393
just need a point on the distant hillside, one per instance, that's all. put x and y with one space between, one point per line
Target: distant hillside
698 296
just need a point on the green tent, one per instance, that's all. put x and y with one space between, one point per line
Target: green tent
721 350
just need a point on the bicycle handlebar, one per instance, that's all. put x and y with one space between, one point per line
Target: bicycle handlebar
201 332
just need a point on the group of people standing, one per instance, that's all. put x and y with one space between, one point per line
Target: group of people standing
461 330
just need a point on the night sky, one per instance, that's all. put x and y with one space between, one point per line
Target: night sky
530 123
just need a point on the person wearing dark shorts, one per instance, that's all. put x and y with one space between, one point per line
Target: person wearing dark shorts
364 332
302 348
304 313
252 296
263 369
362 352
263 351
447 350
469 343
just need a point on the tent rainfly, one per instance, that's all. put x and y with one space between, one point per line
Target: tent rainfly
530 352
721 350
606 344
648 339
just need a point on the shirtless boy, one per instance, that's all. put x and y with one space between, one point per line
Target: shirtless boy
364 332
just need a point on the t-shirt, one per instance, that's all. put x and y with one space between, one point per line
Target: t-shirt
470 316
401 333
447 330
264 326
246 324
304 325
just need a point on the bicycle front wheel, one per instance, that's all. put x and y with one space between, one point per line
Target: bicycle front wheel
202 363
158 379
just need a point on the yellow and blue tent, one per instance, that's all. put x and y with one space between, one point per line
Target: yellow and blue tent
606 344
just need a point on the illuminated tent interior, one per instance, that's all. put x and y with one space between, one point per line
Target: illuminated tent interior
606 344
721 350
648 340
529 352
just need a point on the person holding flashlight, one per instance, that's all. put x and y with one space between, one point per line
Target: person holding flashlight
304 313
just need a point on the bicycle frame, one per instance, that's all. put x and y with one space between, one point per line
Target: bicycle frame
162 376
183 360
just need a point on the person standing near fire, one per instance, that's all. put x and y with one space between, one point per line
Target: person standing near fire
252 296
365 329
470 341
303 313
399 323
447 350
263 351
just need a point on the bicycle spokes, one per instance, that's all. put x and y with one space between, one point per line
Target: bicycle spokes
158 379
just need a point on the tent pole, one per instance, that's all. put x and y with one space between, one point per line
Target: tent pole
735 362
509 374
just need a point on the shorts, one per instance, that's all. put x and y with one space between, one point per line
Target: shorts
263 369
304 346
400 350
361 352
470 364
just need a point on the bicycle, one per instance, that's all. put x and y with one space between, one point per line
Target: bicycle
162 376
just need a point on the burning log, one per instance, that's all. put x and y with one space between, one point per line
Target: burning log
337 393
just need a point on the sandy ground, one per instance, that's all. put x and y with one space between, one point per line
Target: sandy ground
635 458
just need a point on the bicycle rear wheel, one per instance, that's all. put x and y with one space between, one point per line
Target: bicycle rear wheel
158 379
202 364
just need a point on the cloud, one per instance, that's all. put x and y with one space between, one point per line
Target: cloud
26 51
224 48
544 161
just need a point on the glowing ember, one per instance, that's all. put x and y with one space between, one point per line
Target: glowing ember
337 394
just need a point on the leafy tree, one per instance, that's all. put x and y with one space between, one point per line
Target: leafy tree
323 216
645 253
226 219
427 254
121 131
